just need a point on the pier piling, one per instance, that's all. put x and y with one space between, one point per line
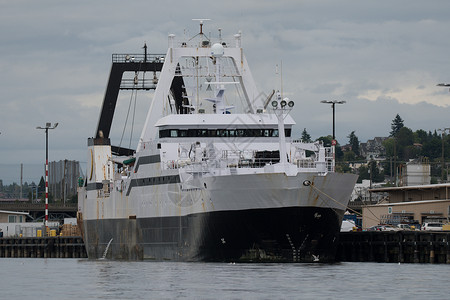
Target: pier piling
394 246
43 247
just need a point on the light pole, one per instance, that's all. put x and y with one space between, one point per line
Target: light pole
333 142
46 128
333 103
443 84
442 135
442 158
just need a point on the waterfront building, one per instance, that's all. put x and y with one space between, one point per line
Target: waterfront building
9 220
418 172
409 204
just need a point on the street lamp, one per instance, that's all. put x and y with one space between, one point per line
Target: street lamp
443 84
333 142
46 128
333 103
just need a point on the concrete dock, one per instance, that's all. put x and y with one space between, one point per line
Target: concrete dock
395 247
43 247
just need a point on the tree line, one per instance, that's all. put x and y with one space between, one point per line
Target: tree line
30 191
401 145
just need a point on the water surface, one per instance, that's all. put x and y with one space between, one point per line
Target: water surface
102 279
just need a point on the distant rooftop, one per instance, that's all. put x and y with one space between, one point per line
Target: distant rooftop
411 187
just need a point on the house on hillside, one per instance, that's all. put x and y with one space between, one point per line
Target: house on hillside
373 149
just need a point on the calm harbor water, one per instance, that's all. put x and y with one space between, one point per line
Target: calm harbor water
102 279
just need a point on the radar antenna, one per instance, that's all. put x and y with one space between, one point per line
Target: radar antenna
201 23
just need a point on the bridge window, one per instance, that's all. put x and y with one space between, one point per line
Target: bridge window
165 133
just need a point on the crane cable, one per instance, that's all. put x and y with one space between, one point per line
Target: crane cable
126 119
133 94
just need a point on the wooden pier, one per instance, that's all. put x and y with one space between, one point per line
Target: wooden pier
365 246
43 247
394 247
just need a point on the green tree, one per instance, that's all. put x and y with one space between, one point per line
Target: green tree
41 186
420 136
396 125
404 139
326 140
343 167
362 174
349 156
432 148
305 136
354 142
339 152
389 145
370 171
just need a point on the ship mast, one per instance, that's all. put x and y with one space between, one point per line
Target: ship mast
281 108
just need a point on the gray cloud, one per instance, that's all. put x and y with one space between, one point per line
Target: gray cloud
382 57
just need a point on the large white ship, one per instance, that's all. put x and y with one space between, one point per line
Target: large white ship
216 175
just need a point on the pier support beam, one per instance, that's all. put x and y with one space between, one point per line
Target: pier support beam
432 254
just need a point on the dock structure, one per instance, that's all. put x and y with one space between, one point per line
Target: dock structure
43 247
394 247
365 246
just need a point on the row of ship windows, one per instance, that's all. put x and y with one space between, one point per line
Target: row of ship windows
155 180
165 133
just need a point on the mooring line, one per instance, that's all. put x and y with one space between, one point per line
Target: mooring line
345 207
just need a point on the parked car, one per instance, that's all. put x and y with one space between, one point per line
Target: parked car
382 228
404 226
434 226
347 225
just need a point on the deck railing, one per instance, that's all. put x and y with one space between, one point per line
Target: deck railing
137 58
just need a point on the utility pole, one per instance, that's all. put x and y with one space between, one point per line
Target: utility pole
21 181
442 157
46 128
395 161
370 185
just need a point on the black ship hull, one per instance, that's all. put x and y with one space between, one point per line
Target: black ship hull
293 234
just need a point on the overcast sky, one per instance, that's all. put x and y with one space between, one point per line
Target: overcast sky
382 57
